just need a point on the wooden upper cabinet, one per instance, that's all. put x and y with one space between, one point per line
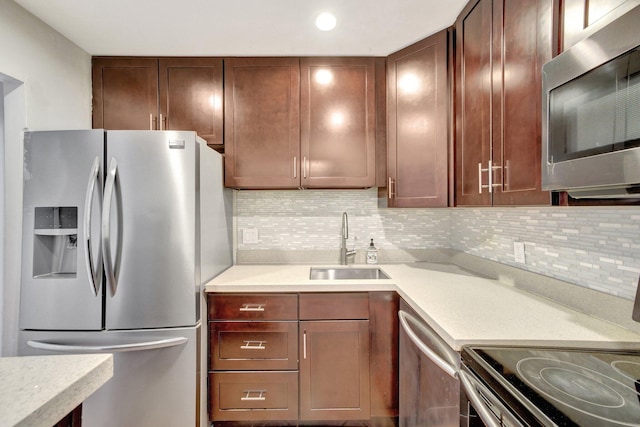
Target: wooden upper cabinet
580 18
191 96
262 122
500 48
417 154
526 27
159 94
338 122
473 100
125 93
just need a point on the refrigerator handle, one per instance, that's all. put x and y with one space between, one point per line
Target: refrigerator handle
95 275
106 226
108 348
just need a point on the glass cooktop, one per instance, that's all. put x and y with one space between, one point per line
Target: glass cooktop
563 387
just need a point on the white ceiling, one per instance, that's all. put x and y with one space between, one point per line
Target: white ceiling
243 27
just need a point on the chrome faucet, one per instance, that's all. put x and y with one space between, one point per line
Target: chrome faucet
344 253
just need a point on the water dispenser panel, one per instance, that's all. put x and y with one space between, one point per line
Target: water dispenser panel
55 242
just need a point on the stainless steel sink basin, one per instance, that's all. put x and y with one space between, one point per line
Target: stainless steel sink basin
346 274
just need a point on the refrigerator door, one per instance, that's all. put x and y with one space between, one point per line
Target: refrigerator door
149 229
61 266
151 386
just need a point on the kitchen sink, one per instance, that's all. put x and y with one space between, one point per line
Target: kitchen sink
346 273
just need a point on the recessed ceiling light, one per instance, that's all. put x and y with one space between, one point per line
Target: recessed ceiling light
326 21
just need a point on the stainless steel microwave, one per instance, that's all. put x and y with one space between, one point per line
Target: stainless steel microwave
591 114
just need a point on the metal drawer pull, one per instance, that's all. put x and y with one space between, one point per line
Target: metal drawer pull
254 345
252 307
253 395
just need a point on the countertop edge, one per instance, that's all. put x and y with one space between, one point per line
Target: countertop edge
72 395
453 326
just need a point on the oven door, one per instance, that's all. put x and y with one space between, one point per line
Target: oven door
479 406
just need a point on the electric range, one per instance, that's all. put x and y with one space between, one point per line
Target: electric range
550 387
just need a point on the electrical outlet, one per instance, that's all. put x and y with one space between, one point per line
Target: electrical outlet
250 235
518 252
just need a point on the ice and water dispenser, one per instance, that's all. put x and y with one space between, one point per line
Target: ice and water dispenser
55 242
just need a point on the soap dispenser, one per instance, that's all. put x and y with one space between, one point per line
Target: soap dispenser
372 254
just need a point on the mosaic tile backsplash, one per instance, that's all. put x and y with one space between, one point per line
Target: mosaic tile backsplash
594 247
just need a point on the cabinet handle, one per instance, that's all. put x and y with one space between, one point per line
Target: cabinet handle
251 395
150 121
295 167
304 167
254 345
489 170
304 345
390 193
162 122
252 307
505 175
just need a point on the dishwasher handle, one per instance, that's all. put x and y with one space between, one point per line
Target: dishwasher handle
448 361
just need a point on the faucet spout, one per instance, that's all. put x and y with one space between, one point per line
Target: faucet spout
344 253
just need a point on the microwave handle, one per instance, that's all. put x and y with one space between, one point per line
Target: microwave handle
469 386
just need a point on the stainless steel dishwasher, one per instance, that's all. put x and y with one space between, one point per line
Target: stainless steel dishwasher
429 384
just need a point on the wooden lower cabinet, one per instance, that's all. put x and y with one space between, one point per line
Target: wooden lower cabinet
242 396
253 345
73 419
335 363
334 370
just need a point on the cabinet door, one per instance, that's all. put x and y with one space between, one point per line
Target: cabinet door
383 329
417 124
125 93
521 44
334 370
262 122
191 96
580 18
338 122
473 102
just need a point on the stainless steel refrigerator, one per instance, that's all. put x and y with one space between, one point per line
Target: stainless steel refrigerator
120 231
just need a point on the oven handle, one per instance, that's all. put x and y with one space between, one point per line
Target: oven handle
446 366
469 385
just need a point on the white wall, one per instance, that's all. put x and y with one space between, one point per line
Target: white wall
56 94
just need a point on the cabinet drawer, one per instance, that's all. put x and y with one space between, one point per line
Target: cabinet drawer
246 396
253 345
253 307
332 306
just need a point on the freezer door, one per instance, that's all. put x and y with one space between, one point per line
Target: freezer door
155 374
149 229
61 266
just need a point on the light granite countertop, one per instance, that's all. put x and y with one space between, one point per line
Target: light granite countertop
463 308
41 390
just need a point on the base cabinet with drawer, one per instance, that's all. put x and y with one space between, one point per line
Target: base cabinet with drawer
253 357
334 361
298 359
